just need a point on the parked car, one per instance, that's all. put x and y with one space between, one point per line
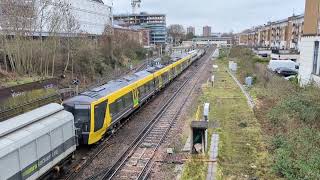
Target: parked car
283 71
275 64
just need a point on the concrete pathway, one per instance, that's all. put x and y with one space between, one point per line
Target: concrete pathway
212 166
249 98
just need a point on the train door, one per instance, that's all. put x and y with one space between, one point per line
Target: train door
135 93
160 82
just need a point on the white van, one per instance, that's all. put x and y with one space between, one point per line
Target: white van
275 64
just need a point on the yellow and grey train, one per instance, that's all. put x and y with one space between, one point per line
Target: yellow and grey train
100 109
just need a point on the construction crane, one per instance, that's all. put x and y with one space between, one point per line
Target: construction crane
135 5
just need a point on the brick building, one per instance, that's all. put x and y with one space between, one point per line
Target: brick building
192 30
136 34
281 34
206 31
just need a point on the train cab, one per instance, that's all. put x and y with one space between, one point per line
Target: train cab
80 107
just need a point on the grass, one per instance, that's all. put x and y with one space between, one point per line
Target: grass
289 118
241 150
195 169
20 80
26 98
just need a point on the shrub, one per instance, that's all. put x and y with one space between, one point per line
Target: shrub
279 141
300 157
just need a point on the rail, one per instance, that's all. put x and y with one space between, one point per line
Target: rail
22 108
150 139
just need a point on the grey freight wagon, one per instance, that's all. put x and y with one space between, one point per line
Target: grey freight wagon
33 143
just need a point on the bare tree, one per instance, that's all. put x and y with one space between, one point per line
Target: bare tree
177 32
55 22
17 20
42 18
70 27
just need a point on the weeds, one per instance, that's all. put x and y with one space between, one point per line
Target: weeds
290 116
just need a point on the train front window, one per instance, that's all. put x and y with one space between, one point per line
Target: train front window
82 117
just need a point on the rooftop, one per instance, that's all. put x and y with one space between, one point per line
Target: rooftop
142 14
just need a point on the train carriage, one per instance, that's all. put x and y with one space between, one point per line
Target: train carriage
98 110
33 143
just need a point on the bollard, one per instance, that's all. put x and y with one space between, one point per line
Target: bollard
212 81
206 111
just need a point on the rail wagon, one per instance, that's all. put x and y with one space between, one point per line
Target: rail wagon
33 143
100 109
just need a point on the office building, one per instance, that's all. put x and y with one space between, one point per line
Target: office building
156 23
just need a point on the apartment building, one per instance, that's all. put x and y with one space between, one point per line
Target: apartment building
264 33
309 71
295 30
282 34
207 31
156 23
191 29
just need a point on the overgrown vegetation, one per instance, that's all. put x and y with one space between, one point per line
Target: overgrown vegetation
75 54
195 169
242 153
27 97
289 115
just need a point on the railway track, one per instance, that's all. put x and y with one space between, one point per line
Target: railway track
136 161
27 106
80 166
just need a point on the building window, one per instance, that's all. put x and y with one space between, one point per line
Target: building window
315 57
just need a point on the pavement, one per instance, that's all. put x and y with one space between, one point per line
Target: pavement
212 166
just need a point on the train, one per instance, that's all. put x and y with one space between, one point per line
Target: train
35 143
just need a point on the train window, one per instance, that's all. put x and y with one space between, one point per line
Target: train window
157 82
121 104
113 109
81 115
165 77
99 115
150 86
128 100
141 91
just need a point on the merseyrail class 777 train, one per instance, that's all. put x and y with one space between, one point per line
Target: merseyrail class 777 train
100 109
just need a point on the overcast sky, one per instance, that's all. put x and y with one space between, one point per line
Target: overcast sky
222 15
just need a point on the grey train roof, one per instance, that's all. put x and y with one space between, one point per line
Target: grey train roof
13 124
94 94
19 131
101 91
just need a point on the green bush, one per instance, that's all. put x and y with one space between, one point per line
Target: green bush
303 106
279 141
300 157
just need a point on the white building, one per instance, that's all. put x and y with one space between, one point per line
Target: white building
88 16
309 71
